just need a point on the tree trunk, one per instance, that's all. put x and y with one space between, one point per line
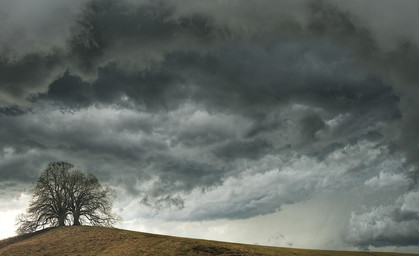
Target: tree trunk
61 220
76 217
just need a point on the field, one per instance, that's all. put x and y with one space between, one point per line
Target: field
85 240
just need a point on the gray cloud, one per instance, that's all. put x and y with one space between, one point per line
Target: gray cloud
184 175
24 23
107 29
272 182
69 91
37 69
309 126
386 225
243 149
13 110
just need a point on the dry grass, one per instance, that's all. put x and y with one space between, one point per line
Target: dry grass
84 240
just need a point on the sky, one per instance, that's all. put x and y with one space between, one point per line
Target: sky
284 123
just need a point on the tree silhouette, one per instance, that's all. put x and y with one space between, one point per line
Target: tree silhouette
60 192
88 201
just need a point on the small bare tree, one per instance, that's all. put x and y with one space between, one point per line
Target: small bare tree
61 192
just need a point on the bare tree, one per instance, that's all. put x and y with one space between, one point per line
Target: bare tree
89 202
49 202
61 192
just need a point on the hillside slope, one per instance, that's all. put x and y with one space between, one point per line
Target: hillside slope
84 240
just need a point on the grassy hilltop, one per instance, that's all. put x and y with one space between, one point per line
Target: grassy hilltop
84 240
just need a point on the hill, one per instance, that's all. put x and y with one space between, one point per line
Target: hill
85 240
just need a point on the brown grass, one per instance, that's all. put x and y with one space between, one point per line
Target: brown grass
84 240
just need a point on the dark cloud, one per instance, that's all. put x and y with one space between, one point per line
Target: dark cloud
105 31
245 79
200 136
69 91
239 78
395 66
22 166
13 110
254 149
309 125
21 76
153 90
164 202
326 19
106 27
180 175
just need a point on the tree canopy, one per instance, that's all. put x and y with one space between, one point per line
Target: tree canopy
67 197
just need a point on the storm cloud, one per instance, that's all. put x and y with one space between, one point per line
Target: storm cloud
225 111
